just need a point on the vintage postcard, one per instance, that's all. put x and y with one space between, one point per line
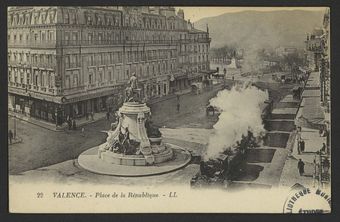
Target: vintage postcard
165 109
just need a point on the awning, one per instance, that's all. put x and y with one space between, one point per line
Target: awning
194 76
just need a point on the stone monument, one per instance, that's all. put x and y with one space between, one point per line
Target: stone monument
135 141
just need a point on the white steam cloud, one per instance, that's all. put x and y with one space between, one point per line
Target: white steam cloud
240 111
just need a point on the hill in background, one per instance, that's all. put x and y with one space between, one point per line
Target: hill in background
254 29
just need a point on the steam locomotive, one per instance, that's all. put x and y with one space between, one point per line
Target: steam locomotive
223 169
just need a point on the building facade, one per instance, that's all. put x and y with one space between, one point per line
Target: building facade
318 57
68 61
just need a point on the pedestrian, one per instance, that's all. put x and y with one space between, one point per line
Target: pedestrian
323 148
10 136
178 107
92 115
69 123
108 115
301 167
302 146
299 146
83 131
114 116
74 126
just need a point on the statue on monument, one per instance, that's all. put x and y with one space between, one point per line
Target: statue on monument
132 92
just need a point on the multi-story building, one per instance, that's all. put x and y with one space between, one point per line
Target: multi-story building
68 61
325 84
285 50
314 48
317 57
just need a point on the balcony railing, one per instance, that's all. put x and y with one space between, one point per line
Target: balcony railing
74 89
33 64
204 40
34 88
33 44
115 42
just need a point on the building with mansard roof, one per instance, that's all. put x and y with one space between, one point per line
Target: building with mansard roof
67 61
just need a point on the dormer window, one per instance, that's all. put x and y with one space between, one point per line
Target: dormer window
89 20
67 18
99 21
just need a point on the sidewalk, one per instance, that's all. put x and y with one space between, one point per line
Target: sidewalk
310 118
50 126
313 143
311 114
15 140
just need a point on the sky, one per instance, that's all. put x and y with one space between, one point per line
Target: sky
196 13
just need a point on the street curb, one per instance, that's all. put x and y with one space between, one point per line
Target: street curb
28 121
178 167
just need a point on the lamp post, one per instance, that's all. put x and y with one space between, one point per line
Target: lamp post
224 77
15 127
325 166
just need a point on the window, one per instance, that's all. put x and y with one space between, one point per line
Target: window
51 35
67 82
67 36
36 79
92 60
100 37
112 75
119 57
28 79
90 78
109 75
74 36
43 79
89 37
89 20
67 18
102 58
111 58
75 80
67 61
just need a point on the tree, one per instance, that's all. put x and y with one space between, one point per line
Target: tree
292 60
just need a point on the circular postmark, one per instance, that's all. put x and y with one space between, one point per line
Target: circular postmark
308 201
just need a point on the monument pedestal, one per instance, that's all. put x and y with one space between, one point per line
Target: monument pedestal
132 121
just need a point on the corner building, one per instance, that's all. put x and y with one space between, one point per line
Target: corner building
70 61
